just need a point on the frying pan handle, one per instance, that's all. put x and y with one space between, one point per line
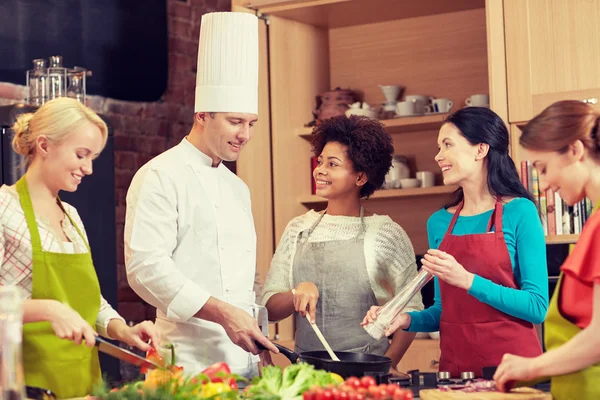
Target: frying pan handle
289 354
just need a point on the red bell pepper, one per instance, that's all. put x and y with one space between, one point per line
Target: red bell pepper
153 356
220 372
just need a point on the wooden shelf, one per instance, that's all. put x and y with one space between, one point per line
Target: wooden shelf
343 13
400 124
562 239
390 194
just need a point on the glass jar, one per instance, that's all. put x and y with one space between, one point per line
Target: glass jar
36 83
11 340
57 78
76 84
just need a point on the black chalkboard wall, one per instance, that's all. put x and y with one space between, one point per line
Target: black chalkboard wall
123 42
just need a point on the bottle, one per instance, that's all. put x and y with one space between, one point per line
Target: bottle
76 89
36 83
387 313
11 340
57 78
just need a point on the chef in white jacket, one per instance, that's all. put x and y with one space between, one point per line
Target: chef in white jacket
190 243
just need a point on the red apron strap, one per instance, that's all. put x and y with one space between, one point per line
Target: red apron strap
455 217
496 217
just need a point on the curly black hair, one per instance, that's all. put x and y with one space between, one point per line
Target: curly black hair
369 146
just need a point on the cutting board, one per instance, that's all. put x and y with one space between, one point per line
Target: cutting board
523 393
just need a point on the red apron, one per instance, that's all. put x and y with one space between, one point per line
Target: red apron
473 334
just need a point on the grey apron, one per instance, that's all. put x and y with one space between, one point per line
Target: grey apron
339 270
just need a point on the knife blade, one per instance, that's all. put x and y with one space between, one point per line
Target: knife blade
124 355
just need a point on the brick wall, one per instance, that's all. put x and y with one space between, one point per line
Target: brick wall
143 130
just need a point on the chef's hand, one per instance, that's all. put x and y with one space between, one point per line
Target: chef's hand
306 295
139 335
68 324
514 368
265 361
243 330
402 320
446 268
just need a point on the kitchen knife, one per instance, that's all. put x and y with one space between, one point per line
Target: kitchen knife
124 355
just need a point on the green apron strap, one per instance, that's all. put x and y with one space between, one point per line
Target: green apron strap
60 204
25 199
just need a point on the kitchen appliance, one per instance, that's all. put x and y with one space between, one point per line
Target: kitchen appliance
94 201
124 355
350 364
429 381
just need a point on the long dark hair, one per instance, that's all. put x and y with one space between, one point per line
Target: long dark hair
482 125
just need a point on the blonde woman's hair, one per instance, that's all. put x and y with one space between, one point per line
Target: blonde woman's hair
56 120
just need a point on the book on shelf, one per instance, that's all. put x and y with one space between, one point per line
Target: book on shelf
556 216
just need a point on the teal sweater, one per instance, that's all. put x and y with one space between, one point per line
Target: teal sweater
526 244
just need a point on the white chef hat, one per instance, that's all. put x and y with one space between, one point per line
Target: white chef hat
227 78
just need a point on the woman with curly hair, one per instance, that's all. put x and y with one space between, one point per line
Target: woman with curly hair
330 267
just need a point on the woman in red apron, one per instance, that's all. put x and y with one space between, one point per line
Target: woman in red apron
563 143
45 252
487 251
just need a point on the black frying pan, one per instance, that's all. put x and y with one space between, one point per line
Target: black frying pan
350 364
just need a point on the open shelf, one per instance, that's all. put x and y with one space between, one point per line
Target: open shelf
562 239
343 13
390 194
400 124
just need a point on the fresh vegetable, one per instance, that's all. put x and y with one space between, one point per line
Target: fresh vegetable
289 384
167 383
220 372
365 388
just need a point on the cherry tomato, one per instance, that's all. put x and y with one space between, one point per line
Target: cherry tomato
353 382
399 394
374 392
335 393
409 395
308 395
367 381
391 388
327 395
319 395
344 396
352 395
360 396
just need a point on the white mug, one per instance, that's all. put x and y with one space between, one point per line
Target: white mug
478 100
427 178
421 102
406 108
442 105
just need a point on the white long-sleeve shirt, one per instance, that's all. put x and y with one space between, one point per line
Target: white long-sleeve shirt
16 252
189 235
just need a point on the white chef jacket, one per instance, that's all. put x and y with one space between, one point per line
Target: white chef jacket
189 235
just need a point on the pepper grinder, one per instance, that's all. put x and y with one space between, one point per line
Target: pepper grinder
387 313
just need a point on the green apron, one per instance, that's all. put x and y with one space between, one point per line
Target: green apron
559 330
69 370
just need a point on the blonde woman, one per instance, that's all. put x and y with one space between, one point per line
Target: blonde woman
44 251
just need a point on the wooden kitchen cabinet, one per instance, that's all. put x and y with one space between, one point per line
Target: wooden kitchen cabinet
423 354
525 53
552 54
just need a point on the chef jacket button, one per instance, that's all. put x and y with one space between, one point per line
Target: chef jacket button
222 247
248 250
216 206
227 290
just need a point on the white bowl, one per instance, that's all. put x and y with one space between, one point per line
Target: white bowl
410 183
434 335
363 112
